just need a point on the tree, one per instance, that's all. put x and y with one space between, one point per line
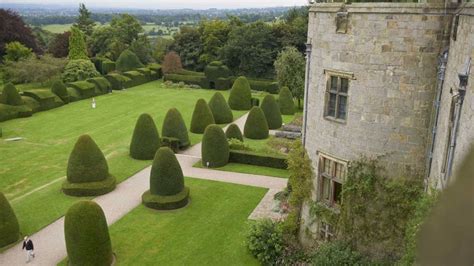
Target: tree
15 51
171 63
59 46
189 47
84 21
214 35
79 69
161 46
215 148
9 227
293 29
174 127
290 69
100 43
126 28
77 45
240 95
145 140
14 29
220 109
202 117
272 112
256 126
142 48
34 69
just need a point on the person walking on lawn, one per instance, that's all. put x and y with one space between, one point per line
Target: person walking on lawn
28 246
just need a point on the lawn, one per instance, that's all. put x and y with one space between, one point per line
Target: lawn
57 28
36 166
250 169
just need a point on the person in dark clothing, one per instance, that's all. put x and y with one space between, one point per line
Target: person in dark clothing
28 246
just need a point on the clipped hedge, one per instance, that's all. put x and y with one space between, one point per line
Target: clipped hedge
269 86
145 140
272 112
84 89
32 104
127 61
101 83
255 102
233 132
174 127
11 96
285 101
117 81
215 148
46 99
256 126
87 235
253 158
220 109
148 73
222 84
157 69
189 73
97 61
136 77
202 117
9 227
60 90
172 143
107 66
187 79
240 95
216 70
8 112
73 94
90 188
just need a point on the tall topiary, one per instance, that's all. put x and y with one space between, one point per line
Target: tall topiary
202 117
60 90
256 126
87 235
272 112
9 227
233 132
145 140
127 61
11 95
174 127
220 109
215 148
240 95
167 190
285 100
77 45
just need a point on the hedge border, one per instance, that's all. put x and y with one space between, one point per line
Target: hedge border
257 159
166 202
89 188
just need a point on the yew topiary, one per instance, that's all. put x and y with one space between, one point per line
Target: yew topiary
240 95
220 109
256 126
215 148
285 100
11 95
9 227
127 61
60 90
145 140
202 117
272 112
233 132
87 235
174 127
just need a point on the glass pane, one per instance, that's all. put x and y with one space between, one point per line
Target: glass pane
341 109
327 166
334 84
332 105
337 193
344 85
326 188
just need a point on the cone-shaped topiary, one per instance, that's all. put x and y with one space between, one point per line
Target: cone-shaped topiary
87 170
240 95
167 190
9 228
272 112
11 95
220 109
202 117
256 126
145 140
87 235
285 100
215 148
174 127
233 132
127 61
60 90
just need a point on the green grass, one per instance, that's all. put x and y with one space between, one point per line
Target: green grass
57 28
249 169
49 137
209 231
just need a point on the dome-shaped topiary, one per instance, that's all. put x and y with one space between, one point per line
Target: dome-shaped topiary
202 117
233 132
215 148
285 100
167 190
240 95
256 126
9 227
145 140
174 127
87 235
11 95
272 112
60 90
220 109
127 61
87 170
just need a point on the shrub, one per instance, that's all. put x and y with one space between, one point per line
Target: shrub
77 45
258 159
10 112
84 88
9 227
46 99
269 86
233 132
215 148
256 126
101 83
136 77
272 112
11 95
79 69
222 84
265 241
216 70
240 95
189 73
290 70
87 235
157 69
145 140
167 190
285 100
108 66
34 69
188 79
174 126
127 61
171 63
202 117
60 90
337 253
15 51
118 81
255 101
31 103
238 145
220 109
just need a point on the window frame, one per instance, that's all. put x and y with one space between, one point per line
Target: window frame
326 232
339 75
336 175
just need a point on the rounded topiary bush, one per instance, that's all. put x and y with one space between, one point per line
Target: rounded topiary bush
240 95
202 117
285 100
167 190
220 109
9 227
215 70
272 112
174 127
11 95
60 90
215 148
127 61
87 235
145 140
256 126
79 69
87 170
233 132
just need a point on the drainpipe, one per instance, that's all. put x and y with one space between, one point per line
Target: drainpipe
306 89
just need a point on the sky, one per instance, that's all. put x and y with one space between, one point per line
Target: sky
168 4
